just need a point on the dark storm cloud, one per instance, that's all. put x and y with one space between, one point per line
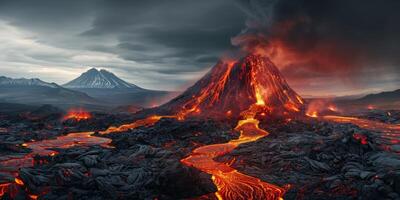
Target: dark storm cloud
178 32
315 39
154 37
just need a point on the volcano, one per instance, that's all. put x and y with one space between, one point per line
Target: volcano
231 87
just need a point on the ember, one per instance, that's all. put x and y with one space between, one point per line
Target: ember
362 138
19 181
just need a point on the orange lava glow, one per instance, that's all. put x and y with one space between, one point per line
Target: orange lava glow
3 188
43 148
312 114
332 108
318 106
149 121
77 114
19 181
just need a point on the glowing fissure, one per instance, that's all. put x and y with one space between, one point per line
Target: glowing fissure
215 88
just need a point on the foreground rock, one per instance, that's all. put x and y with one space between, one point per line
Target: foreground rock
321 160
145 164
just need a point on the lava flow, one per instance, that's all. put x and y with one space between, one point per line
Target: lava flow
250 86
149 121
262 88
390 133
43 148
233 86
230 183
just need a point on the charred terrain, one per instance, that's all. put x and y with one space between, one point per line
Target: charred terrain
240 132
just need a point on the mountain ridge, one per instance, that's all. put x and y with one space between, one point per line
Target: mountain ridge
7 81
36 92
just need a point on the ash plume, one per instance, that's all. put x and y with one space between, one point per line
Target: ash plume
311 39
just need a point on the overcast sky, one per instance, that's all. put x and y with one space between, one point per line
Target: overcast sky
168 44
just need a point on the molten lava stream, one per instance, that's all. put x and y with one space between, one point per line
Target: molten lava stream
42 148
70 140
230 183
149 121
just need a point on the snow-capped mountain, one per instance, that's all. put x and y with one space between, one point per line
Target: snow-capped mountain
6 81
37 92
99 79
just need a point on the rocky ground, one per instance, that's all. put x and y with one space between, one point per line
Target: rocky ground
46 122
145 164
387 116
321 160
317 160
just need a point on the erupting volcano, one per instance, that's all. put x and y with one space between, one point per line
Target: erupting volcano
233 86
251 86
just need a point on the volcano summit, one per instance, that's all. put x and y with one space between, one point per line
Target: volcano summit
233 86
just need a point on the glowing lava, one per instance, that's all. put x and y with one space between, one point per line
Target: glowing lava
42 148
244 88
233 86
149 121
77 114
230 183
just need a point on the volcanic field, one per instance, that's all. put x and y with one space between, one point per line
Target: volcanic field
240 132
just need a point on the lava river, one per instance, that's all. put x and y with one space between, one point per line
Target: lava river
11 164
230 183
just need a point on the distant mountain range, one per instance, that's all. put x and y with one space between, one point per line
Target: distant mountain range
384 101
383 96
93 89
100 89
5 81
37 92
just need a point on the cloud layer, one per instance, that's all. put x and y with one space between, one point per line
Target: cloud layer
155 44
323 47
